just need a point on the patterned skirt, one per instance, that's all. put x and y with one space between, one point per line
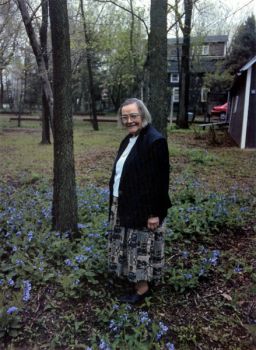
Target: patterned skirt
136 254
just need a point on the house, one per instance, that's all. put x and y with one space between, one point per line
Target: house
242 126
205 54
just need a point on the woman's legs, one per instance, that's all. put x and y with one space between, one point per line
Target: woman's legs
142 287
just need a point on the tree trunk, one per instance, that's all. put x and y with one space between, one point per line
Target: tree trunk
64 210
157 62
184 71
1 89
38 55
46 138
90 71
177 46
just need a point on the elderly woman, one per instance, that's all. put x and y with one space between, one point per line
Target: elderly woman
138 202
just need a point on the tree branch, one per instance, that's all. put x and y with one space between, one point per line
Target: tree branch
127 10
4 3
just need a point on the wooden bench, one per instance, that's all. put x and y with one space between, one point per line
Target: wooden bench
214 125
26 119
100 119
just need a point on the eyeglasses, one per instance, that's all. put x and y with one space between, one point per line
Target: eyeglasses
132 116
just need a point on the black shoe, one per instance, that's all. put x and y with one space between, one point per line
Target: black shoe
133 298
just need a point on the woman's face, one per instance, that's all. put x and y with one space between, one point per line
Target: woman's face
131 118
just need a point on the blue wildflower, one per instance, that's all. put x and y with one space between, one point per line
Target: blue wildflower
202 250
169 232
201 272
128 308
80 258
11 310
19 262
144 318
88 249
67 234
30 236
185 254
216 253
124 317
103 345
11 282
170 346
81 226
214 258
115 307
187 219
113 326
238 269
188 276
94 235
26 290
243 209
68 262
159 336
1 282
163 329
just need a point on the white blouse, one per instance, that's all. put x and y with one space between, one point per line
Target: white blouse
120 164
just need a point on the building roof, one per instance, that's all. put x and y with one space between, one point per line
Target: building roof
248 64
206 39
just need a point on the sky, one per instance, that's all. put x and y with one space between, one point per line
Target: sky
233 12
234 4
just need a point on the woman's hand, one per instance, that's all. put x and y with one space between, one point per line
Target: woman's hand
153 223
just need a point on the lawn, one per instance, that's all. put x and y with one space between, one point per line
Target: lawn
56 293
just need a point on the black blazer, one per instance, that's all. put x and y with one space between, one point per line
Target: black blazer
144 184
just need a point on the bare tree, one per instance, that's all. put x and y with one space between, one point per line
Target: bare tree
34 42
46 139
64 209
9 31
157 64
184 68
90 70
130 10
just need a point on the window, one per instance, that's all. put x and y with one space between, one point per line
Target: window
205 50
204 92
174 78
236 104
175 94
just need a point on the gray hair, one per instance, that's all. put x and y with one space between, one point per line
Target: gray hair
144 112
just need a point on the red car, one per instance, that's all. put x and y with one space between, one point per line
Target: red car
220 111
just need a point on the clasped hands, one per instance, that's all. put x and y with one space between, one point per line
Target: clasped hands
153 223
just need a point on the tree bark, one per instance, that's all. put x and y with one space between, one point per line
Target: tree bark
38 55
182 121
157 63
1 89
64 209
46 138
90 71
